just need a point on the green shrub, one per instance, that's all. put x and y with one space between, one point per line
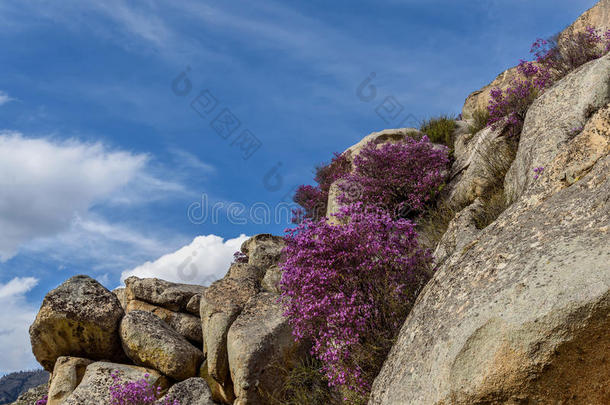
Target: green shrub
480 118
440 129
304 383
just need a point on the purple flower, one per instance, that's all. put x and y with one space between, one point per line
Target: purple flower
345 285
141 392
538 172
43 400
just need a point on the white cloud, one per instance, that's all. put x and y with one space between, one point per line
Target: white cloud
205 259
15 318
4 98
45 183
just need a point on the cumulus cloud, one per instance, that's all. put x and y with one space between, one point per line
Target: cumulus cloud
45 183
15 318
205 259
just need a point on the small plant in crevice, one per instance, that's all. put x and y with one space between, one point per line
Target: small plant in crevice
141 392
240 257
348 289
538 172
42 401
480 118
434 223
303 383
440 129
493 205
401 178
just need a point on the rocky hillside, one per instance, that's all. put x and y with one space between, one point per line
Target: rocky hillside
517 310
13 384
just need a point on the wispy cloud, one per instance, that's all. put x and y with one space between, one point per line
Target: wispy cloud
4 98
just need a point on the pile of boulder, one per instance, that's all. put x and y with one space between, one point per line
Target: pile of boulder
219 344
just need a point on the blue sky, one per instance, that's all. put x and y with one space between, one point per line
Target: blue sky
103 156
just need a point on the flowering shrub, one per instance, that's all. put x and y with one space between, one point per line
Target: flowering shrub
538 172
553 62
240 257
43 400
314 199
348 289
141 392
400 178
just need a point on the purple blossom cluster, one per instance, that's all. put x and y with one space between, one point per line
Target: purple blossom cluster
346 285
507 108
538 172
240 257
314 199
141 392
400 178
43 400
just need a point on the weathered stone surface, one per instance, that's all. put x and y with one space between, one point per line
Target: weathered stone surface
160 292
79 318
187 325
522 315
551 119
263 250
598 16
94 388
481 162
460 232
194 303
121 295
67 374
479 99
193 391
221 303
259 336
240 271
271 281
222 394
32 395
150 342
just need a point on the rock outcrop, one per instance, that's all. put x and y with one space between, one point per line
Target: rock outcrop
150 342
478 100
597 16
172 296
32 395
94 388
79 318
258 340
520 314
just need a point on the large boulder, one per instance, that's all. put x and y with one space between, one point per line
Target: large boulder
259 340
163 293
551 121
79 318
522 314
187 325
193 391
221 303
150 342
67 374
94 388
263 250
